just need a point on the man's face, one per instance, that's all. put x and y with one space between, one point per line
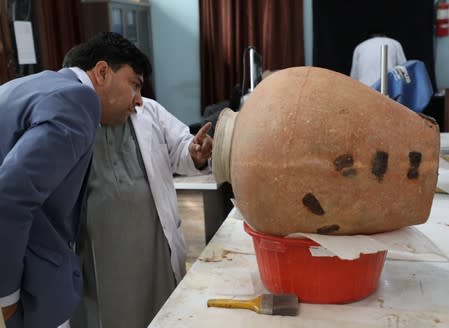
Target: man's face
121 93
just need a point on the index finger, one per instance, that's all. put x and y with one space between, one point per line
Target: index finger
203 131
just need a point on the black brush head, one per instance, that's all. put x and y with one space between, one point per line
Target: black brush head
280 304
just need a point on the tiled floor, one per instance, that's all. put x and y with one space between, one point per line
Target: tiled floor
190 205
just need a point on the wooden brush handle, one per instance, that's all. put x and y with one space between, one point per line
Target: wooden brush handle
253 304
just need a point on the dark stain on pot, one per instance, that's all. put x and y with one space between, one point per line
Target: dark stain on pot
343 161
380 164
415 158
328 229
349 173
412 173
312 204
415 161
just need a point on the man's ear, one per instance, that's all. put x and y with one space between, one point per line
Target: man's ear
101 72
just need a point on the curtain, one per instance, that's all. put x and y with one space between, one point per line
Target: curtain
59 29
228 27
7 61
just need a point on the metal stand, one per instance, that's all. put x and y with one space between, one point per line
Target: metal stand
384 70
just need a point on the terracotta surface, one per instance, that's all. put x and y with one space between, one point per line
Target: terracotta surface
316 151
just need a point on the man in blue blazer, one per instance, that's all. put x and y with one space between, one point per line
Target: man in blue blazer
47 128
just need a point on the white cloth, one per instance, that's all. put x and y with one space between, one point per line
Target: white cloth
10 299
164 142
407 243
367 56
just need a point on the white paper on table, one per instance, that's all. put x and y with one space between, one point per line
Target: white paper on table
345 247
404 244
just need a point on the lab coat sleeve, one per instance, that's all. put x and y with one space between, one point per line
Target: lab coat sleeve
177 136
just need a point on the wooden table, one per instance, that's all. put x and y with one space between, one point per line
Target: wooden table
410 293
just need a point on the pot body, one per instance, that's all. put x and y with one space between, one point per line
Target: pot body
315 151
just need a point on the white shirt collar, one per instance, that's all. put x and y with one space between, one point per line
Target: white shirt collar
82 76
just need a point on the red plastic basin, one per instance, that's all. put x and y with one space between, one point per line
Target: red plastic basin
287 266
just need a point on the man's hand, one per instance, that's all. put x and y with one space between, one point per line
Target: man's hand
201 146
8 311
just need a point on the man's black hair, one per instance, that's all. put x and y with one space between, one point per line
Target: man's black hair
111 47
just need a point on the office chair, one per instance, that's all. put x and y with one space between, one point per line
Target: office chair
409 84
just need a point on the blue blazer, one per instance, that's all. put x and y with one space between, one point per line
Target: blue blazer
47 128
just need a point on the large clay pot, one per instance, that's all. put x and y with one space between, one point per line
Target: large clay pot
313 150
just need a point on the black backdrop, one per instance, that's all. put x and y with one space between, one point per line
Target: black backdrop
339 25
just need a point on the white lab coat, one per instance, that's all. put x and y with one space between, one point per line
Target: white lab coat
366 59
164 142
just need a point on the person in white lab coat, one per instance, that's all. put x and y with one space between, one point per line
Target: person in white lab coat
167 147
133 253
131 247
366 59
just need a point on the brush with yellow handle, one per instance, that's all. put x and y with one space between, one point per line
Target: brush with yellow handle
265 304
